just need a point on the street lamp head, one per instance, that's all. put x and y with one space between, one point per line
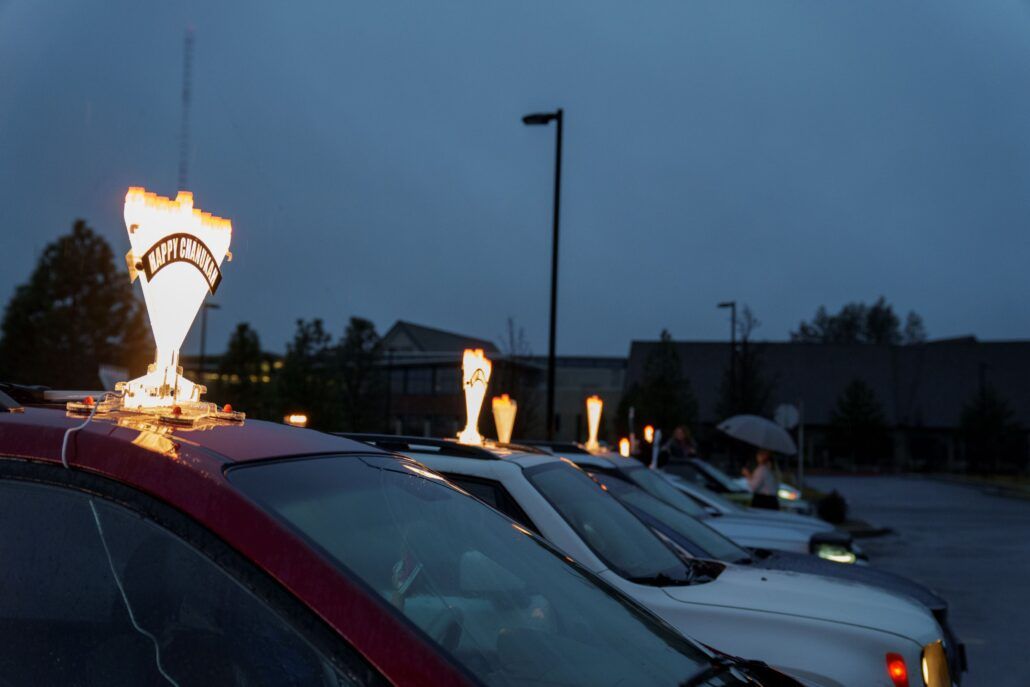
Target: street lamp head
539 118
727 304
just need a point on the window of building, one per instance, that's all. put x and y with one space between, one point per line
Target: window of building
448 380
419 381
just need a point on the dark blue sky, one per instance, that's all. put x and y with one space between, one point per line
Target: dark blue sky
785 154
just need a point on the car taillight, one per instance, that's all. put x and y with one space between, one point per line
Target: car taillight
897 670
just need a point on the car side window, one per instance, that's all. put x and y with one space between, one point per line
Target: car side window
95 594
493 494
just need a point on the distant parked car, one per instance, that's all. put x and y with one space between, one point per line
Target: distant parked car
698 540
746 527
734 488
822 630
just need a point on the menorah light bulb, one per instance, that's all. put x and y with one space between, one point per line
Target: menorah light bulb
649 434
475 375
624 447
504 417
594 407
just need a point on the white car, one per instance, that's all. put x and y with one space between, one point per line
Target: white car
707 475
817 629
748 527
722 508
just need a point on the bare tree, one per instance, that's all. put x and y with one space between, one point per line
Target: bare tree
519 378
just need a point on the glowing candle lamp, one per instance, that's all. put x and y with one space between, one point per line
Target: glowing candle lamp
594 407
475 375
504 417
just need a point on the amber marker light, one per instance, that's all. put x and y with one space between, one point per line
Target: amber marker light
296 420
897 670
649 434
624 447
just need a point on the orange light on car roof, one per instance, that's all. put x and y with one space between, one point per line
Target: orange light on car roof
624 447
296 420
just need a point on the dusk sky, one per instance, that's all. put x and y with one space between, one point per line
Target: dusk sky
785 154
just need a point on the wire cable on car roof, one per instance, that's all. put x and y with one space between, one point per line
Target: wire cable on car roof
107 550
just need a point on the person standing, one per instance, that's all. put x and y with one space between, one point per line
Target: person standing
763 482
681 444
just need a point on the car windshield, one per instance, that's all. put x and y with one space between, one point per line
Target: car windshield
624 543
498 600
702 536
659 487
724 503
718 476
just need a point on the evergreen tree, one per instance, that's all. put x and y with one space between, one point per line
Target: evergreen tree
858 426
307 382
664 397
241 375
76 312
993 441
362 377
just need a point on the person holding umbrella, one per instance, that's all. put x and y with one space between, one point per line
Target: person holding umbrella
767 437
763 482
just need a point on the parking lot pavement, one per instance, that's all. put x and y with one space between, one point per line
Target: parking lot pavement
970 546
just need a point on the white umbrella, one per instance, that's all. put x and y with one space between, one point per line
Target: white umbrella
759 432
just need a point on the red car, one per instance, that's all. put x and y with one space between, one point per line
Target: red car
134 552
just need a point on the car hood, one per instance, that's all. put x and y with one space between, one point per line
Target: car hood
812 596
748 530
791 519
875 577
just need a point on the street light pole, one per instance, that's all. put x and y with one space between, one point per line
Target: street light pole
732 305
531 120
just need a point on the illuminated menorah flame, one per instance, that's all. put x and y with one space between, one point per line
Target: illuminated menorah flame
594 407
504 417
475 369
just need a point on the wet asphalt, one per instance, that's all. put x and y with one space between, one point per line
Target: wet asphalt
969 545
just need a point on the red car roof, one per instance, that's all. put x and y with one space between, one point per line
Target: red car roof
184 467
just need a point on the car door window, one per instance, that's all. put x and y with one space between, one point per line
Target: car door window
95 594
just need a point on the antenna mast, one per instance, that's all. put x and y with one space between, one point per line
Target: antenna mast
184 132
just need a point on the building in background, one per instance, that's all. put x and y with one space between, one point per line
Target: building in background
922 389
425 392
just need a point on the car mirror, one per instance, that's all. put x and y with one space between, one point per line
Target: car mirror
479 574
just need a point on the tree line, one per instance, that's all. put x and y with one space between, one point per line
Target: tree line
77 310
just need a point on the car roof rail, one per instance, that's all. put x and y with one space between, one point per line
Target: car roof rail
43 395
413 444
9 405
564 446
434 445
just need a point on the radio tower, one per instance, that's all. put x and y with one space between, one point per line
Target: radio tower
184 133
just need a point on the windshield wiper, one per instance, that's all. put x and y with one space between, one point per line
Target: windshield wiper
663 579
719 665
